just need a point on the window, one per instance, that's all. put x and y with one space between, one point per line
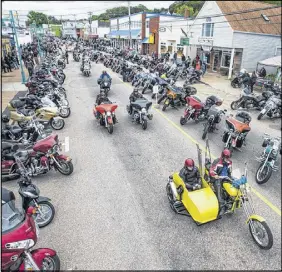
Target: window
207 29
147 24
225 59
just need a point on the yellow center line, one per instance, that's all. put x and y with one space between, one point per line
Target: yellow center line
259 195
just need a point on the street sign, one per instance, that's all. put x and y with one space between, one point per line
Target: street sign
184 41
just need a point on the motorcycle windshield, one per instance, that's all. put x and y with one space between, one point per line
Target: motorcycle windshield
11 216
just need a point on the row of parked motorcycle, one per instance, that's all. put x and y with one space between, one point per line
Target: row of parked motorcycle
29 148
237 127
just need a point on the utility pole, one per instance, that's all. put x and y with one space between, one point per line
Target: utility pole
18 19
130 41
90 21
17 44
48 24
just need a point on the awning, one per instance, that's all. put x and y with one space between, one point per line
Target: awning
146 40
124 34
274 61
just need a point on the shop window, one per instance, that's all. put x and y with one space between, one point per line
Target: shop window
207 58
147 24
207 29
225 60
163 49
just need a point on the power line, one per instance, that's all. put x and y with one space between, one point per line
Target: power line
244 19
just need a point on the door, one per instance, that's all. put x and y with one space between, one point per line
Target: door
215 61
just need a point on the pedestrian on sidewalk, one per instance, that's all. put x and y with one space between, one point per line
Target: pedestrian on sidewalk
7 62
175 57
4 66
67 55
204 68
30 66
35 55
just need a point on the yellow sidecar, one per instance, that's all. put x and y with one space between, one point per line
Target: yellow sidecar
202 205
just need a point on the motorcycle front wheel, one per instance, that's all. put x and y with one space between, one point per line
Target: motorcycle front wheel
234 105
65 167
263 175
205 131
261 232
57 125
51 263
110 128
144 124
183 121
65 112
48 211
260 116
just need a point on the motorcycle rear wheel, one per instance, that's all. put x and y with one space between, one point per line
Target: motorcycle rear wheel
52 214
205 132
267 231
266 177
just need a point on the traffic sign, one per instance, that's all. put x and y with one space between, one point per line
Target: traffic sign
184 41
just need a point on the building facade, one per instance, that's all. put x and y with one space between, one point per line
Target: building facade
230 43
145 32
96 29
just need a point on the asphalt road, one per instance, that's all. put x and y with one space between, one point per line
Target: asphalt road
113 213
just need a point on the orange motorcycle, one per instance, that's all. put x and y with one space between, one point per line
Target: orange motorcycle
237 130
105 113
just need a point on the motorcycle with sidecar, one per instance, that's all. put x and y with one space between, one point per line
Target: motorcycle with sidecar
202 205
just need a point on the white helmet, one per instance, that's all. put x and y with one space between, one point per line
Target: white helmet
243 71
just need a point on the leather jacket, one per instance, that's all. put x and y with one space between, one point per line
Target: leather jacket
217 167
134 96
190 178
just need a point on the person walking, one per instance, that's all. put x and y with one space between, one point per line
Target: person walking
67 55
175 57
204 68
183 59
188 61
35 55
4 66
30 66
7 62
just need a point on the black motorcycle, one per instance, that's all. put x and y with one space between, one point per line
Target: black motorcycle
272 107
105 85
140 111
239 79
213 118
248 100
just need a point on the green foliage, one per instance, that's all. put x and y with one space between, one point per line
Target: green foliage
277 3
37 17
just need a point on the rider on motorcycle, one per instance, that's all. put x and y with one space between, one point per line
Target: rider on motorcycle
133 96
105 75
221 167
101 99
191 175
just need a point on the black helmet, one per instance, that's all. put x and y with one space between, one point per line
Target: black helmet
5 118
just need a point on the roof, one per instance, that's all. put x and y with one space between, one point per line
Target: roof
274 61
252 25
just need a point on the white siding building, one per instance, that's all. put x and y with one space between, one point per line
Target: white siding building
231 42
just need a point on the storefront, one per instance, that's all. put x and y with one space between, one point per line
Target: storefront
218 58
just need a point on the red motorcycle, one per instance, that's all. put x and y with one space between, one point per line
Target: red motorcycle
39 160
19 235
107 117
197 110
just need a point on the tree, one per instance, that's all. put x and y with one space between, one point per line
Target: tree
176 7
37 17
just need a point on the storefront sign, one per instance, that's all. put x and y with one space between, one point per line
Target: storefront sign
184 41
151 38
205 41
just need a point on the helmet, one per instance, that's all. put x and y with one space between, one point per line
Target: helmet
226 154
5 118
243 71
104 72
189 164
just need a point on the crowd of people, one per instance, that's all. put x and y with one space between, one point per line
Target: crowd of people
10 61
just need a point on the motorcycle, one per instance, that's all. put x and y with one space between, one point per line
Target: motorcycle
196 109
174 96
237 81
203 207
272 108
43 157
140 111
194 77
105 85
213 118
107 115
268 158
248 100
149 83
19 234
237 130
86 69
46 115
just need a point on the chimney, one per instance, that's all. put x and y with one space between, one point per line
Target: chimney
186 13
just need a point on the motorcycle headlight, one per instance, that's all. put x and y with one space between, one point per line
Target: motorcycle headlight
143 110
109 113
56 148
24 244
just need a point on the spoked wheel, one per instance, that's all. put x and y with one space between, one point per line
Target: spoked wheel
170 196
57 124
110 128
65 167
234 105
45 214
263 175
261 234
51 263
65 112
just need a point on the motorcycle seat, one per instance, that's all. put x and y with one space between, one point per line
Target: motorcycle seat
17 103
7 195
